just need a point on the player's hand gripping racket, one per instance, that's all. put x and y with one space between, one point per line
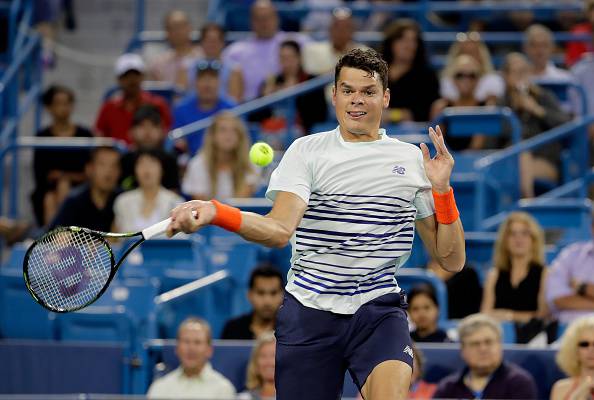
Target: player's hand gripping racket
69 268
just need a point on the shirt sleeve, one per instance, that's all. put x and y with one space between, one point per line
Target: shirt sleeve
196 180
292 175
102 124
423 200
558 279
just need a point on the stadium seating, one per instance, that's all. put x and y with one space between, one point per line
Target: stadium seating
409 277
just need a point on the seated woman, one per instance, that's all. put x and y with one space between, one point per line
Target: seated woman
465 72
222 169
576 358
538 111
514 288
150 202
423 310
57 171
260 371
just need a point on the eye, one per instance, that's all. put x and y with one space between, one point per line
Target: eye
347 91
369 93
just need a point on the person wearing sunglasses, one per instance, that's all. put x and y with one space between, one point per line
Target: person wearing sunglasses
466 73
576 358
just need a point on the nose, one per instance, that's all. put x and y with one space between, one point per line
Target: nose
357 98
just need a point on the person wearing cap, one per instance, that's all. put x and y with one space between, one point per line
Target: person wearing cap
204 102
116 114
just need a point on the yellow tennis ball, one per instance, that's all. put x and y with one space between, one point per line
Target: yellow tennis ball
261 154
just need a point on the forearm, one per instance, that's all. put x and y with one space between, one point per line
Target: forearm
574 302
450 248
264 230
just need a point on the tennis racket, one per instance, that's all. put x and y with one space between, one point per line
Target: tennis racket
69 268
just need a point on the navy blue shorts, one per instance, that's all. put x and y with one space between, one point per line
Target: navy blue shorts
315 348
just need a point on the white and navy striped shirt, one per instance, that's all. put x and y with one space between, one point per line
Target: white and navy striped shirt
362 201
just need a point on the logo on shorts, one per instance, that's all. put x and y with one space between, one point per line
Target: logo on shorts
408 351
398 170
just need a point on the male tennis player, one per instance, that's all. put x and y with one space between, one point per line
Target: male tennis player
349 200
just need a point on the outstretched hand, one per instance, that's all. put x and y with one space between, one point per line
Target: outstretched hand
191 216
438 168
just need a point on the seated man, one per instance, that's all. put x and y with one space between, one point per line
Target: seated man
487 375
569 289
91 205
265 295
194 378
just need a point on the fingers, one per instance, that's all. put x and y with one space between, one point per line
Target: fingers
184 218
425 151
437 138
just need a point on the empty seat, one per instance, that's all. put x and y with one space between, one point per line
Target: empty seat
96 323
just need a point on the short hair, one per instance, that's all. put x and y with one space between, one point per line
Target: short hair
171 13
265 271
423 289
536 29
212 26
293 45
509 58
567 356
253 379
501 255
47 98
199 321
98 150
147 112
367 60
474 322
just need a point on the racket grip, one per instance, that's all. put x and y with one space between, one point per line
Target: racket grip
156 229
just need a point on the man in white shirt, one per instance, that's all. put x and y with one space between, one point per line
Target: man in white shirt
349 200
539 46
194 378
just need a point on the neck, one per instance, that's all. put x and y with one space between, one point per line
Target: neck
371 136
224 157
423 332
466 100
206 104
477 376
183 49
341 48
538 69
61 124
193 371
521 261
99 197
150 192
268 389
587 373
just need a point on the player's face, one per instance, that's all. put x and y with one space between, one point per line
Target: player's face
266 297
147 135
192 348
359 99
148 172
423 312
519 239
265 361
482 351
585 350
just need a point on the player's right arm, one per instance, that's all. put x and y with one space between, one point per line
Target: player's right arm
272 230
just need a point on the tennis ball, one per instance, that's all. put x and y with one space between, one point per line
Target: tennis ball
261 154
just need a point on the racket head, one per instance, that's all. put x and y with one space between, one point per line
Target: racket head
68 268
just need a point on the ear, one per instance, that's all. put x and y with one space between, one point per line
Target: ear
386 98
334 95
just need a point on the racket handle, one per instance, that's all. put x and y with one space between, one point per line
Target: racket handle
159 228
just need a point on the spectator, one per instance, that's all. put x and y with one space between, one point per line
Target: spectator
205 102
258 54
172 65
147 134
486 375
465 73
539 46
13 231
419 388
464 290
490 85
318 21
576 358
150 202
321 57
194 378
575 50
582 73
311 106
265 294
91 206
260 370
538 111
423 310
408 72
222 169
57 171
116 114
514 288
570 282
212 40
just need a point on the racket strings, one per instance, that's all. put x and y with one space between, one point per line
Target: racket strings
68 269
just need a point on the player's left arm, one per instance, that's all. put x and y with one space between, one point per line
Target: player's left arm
442 232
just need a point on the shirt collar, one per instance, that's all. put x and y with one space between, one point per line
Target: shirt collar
204 374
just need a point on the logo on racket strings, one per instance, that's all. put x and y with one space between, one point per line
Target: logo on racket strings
71 261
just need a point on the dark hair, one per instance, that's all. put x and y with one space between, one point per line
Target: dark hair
423 289
153 153
396 32
367 60
47 98
211 26
147 112
293 45
265 271
101 149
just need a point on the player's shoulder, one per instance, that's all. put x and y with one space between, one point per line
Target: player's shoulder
404 146
314 140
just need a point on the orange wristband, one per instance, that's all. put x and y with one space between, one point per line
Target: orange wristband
227 217
445 207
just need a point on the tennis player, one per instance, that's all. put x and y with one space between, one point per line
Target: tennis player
349 201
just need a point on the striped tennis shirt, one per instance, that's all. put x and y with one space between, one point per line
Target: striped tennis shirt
362 201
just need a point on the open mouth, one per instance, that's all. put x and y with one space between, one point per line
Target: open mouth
356 114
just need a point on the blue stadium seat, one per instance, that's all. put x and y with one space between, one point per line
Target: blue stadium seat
407 278
571 95
16 257
20 316
96 323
